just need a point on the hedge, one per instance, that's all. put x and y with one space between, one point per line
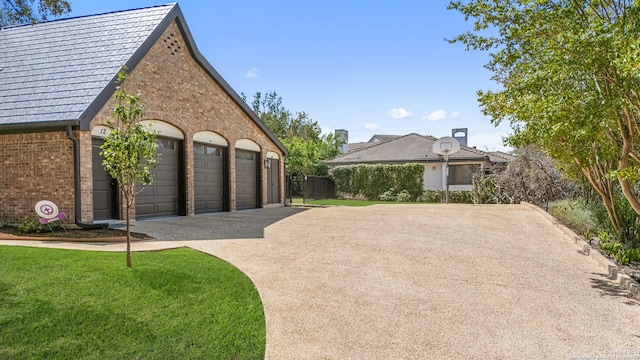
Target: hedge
372 181
455 196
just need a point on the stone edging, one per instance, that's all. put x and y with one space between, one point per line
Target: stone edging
4 236
615 274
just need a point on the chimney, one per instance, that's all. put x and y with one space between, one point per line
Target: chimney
344 136
462 139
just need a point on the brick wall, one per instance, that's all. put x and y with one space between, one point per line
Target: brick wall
175 89
34 167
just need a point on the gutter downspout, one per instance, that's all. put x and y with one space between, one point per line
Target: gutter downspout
76 184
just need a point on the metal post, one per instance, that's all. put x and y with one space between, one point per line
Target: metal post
446 192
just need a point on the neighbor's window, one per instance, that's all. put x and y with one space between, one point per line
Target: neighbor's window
461 174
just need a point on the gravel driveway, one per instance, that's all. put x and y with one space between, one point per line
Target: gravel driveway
425 282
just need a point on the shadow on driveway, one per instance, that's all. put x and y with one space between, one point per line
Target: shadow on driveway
248 224
606 287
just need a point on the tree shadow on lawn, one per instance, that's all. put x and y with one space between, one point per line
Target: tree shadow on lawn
247 224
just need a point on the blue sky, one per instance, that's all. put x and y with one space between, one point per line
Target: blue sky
370 67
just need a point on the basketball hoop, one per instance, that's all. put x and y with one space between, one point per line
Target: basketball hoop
446 146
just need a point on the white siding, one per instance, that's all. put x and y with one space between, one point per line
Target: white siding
433 177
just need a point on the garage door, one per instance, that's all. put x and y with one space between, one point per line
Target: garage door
209 184
246 180
161 197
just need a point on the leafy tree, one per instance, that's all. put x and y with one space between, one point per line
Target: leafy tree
570 83
14 12
281 121
129 151
300 135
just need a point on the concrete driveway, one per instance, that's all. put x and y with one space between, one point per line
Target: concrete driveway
423 282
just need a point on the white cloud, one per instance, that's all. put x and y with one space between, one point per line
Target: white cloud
371 126
251 73
435 115
455 114
400 113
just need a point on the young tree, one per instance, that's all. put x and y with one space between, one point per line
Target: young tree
129 151
570 82
14 12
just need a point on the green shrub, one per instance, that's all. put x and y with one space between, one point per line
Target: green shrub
618 252
404 196
440 196
623 255
31 225
432 196
629 233
389 195
372 181
576 214
461 197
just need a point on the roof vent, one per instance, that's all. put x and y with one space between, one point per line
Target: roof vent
173 43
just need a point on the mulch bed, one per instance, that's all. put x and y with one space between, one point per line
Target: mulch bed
74 233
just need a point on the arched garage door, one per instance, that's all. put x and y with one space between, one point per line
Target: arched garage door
209 179
210 172
161 197
247 156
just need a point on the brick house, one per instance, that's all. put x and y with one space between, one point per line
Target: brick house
57 81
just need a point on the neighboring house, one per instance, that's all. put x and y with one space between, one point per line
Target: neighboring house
57 81
414 148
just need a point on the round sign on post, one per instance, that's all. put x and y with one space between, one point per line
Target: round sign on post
446 146
46 209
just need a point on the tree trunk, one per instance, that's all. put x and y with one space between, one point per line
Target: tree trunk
627 187
128 217
596 176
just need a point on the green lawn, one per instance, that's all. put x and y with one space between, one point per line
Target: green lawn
177 304
342 202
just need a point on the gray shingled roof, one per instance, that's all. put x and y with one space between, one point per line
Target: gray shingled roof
54 71
499 156
408 148
360 145
383 138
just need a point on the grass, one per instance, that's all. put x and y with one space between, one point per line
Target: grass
177 304
343 202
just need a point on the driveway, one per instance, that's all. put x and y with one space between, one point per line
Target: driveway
423 282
